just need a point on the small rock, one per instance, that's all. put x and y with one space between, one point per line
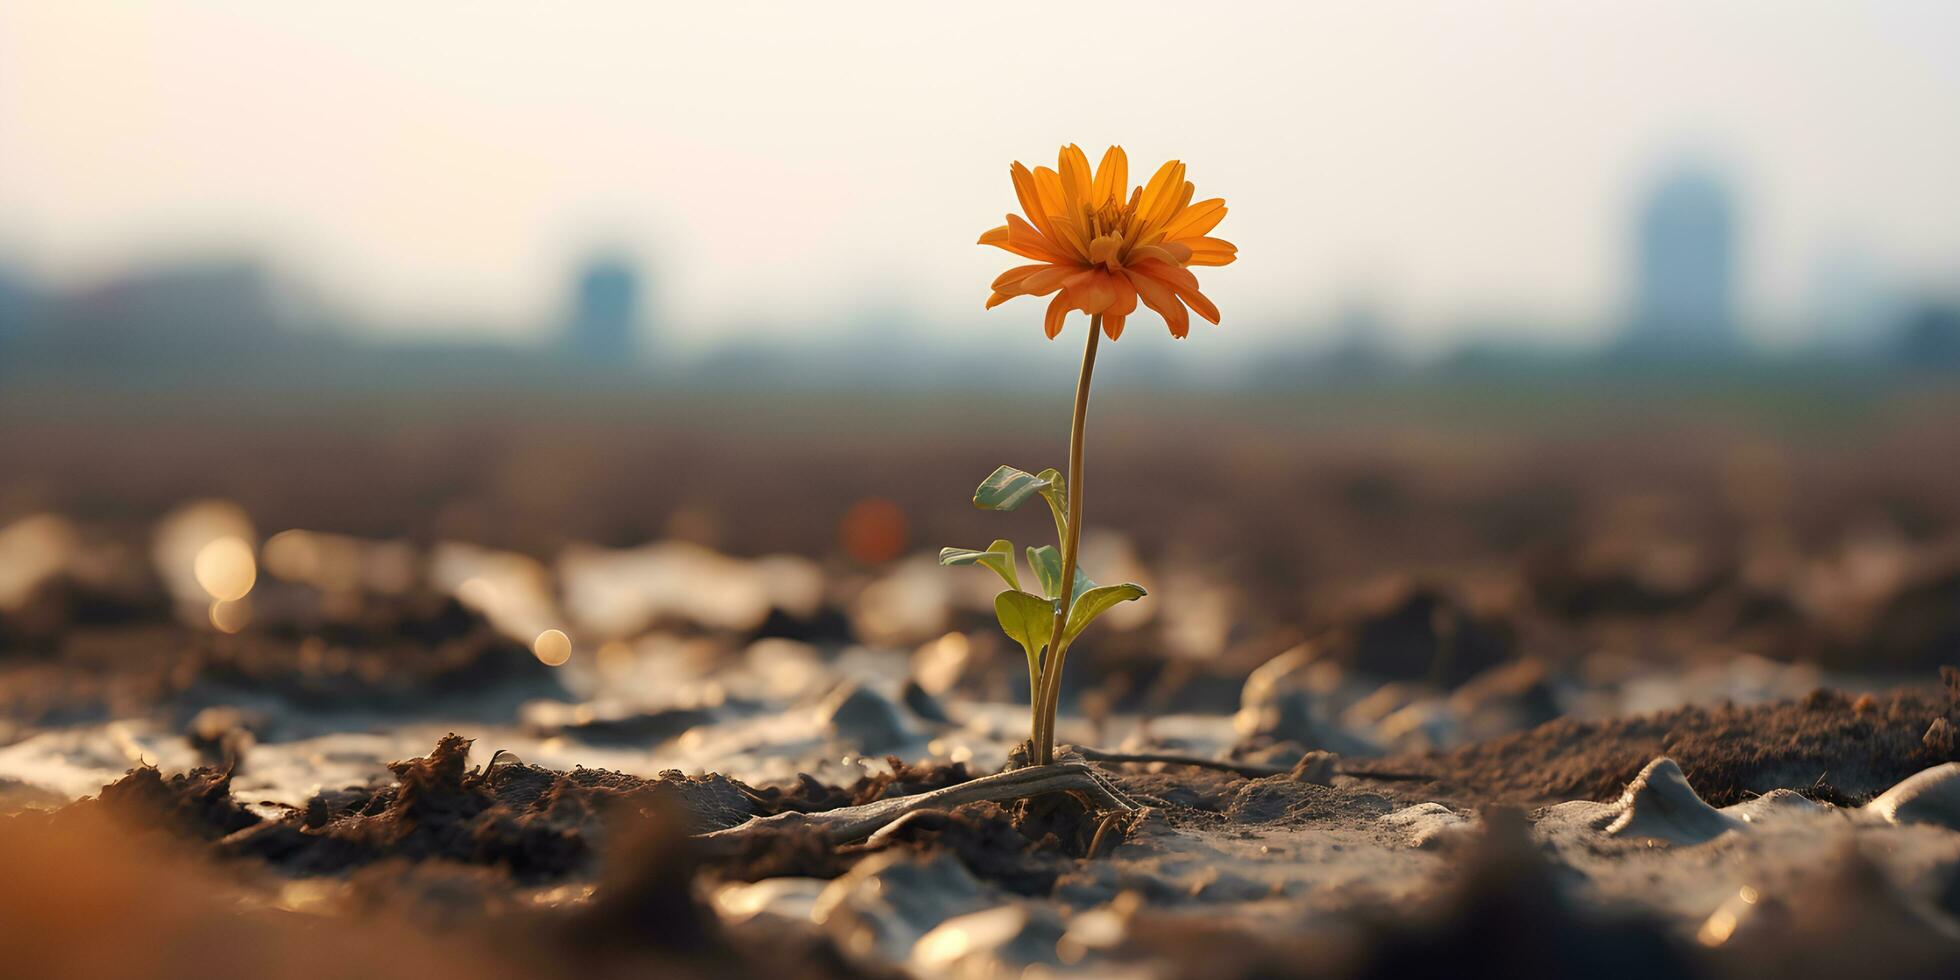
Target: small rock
1275 703
223 734
1660 805
1939 738
1429 825
1316 768
923 703
863 718
1000 941
1930 797
890 899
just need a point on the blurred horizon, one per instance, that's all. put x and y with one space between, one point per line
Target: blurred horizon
1407 180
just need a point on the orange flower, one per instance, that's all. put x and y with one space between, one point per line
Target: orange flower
1100 252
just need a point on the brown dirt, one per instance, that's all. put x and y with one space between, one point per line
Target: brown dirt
537 824
807 795
1830 745
172 916
196 804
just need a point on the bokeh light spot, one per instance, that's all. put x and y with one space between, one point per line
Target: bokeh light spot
873 531
552 647
230 616
225 568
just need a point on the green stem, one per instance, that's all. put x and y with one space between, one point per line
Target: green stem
1033 706
1051 674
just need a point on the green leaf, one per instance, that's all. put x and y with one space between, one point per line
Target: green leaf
1094 602
999 556
1047 565
1007 488
1056 493
1028 620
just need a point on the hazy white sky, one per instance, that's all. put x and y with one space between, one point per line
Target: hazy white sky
444 162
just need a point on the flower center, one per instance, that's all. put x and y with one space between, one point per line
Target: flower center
1111 218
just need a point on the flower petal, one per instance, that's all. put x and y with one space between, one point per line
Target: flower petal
1049 279
1155 189
1048 186
1024 239
1095 294
1200 303
1018 273
1073 165
1030 198
1072 239
1057 311
1112 177
1005 237
1211 251
1170 274
1172 201
1197 219
1181 282
1160 297
1125 302
1083 292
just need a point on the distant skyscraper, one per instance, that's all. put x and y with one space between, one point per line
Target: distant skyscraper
1684 267
605 323
17 300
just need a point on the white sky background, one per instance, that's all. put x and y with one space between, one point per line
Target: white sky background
778 164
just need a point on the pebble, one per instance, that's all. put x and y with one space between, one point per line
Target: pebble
1931 796
862 718
890 900
1429 825
998 942
1274 703
923 704
1660 805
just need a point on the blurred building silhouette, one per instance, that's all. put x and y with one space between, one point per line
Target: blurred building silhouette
18 299
1684 268
604 328
1929 337
153 322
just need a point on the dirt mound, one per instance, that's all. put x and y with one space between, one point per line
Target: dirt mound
196 804
1829 746
537 824
1413 631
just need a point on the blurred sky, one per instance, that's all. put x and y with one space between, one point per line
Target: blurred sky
434 163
